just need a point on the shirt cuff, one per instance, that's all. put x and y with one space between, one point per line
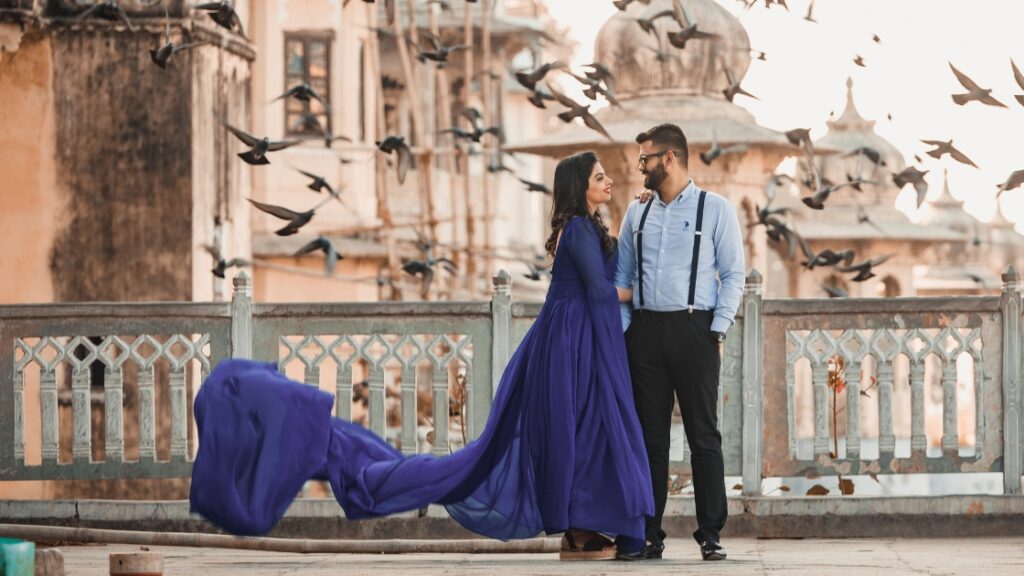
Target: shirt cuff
626 314
720 324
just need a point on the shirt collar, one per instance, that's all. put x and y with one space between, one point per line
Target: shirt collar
688 191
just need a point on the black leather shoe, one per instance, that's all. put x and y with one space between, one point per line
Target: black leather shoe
710 550
654 550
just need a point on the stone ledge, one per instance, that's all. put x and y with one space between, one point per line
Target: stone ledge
826 517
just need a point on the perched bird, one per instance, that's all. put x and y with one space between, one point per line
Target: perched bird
1015 179
439 52
864 269
220 264
947 147
810 13
161 55
529 80
258 147
1020 82
397 145
536 187
687 28
974 92
734 87
108 10
323 245
578 111
303 92
296 220
223 13
911 175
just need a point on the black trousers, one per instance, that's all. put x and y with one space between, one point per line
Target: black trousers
673 353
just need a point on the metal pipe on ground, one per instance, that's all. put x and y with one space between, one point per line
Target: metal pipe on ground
298 546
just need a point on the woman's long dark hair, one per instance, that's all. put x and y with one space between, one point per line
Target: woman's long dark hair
572 178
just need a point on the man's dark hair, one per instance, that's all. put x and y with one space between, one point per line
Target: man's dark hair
668 137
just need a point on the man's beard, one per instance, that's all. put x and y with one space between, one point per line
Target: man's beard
654 178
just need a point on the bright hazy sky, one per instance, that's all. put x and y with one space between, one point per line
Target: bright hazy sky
907 75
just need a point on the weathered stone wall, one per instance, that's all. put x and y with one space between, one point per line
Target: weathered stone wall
124 153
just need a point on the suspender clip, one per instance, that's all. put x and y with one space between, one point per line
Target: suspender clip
691 308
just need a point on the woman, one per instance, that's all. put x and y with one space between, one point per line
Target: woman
562 450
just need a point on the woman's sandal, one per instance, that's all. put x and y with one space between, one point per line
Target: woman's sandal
585 545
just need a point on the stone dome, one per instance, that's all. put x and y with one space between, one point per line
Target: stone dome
632 54
851 132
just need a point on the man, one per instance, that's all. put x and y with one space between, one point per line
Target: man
679 323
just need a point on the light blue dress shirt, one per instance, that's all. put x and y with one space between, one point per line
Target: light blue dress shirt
668 254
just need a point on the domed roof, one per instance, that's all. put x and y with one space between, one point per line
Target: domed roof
851 132
646 63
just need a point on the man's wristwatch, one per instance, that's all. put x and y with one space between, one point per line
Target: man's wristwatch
718 336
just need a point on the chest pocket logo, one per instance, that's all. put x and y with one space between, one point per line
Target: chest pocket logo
686 224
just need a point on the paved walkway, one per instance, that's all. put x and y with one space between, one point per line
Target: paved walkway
984 557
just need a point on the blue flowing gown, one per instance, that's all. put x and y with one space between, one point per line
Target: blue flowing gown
562 446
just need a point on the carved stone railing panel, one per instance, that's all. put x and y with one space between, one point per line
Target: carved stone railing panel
388 356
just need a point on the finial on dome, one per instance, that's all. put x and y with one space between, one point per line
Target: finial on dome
851 117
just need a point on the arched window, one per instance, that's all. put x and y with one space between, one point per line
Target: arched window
891 287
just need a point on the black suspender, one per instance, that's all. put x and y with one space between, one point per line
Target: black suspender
640 251
696 251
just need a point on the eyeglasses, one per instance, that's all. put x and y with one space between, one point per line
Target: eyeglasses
643 157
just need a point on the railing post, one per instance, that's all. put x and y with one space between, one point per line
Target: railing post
1011 306
241 317
753 374
501 326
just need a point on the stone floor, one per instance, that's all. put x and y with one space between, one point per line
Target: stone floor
859 557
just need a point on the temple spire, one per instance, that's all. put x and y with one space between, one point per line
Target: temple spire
851 118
